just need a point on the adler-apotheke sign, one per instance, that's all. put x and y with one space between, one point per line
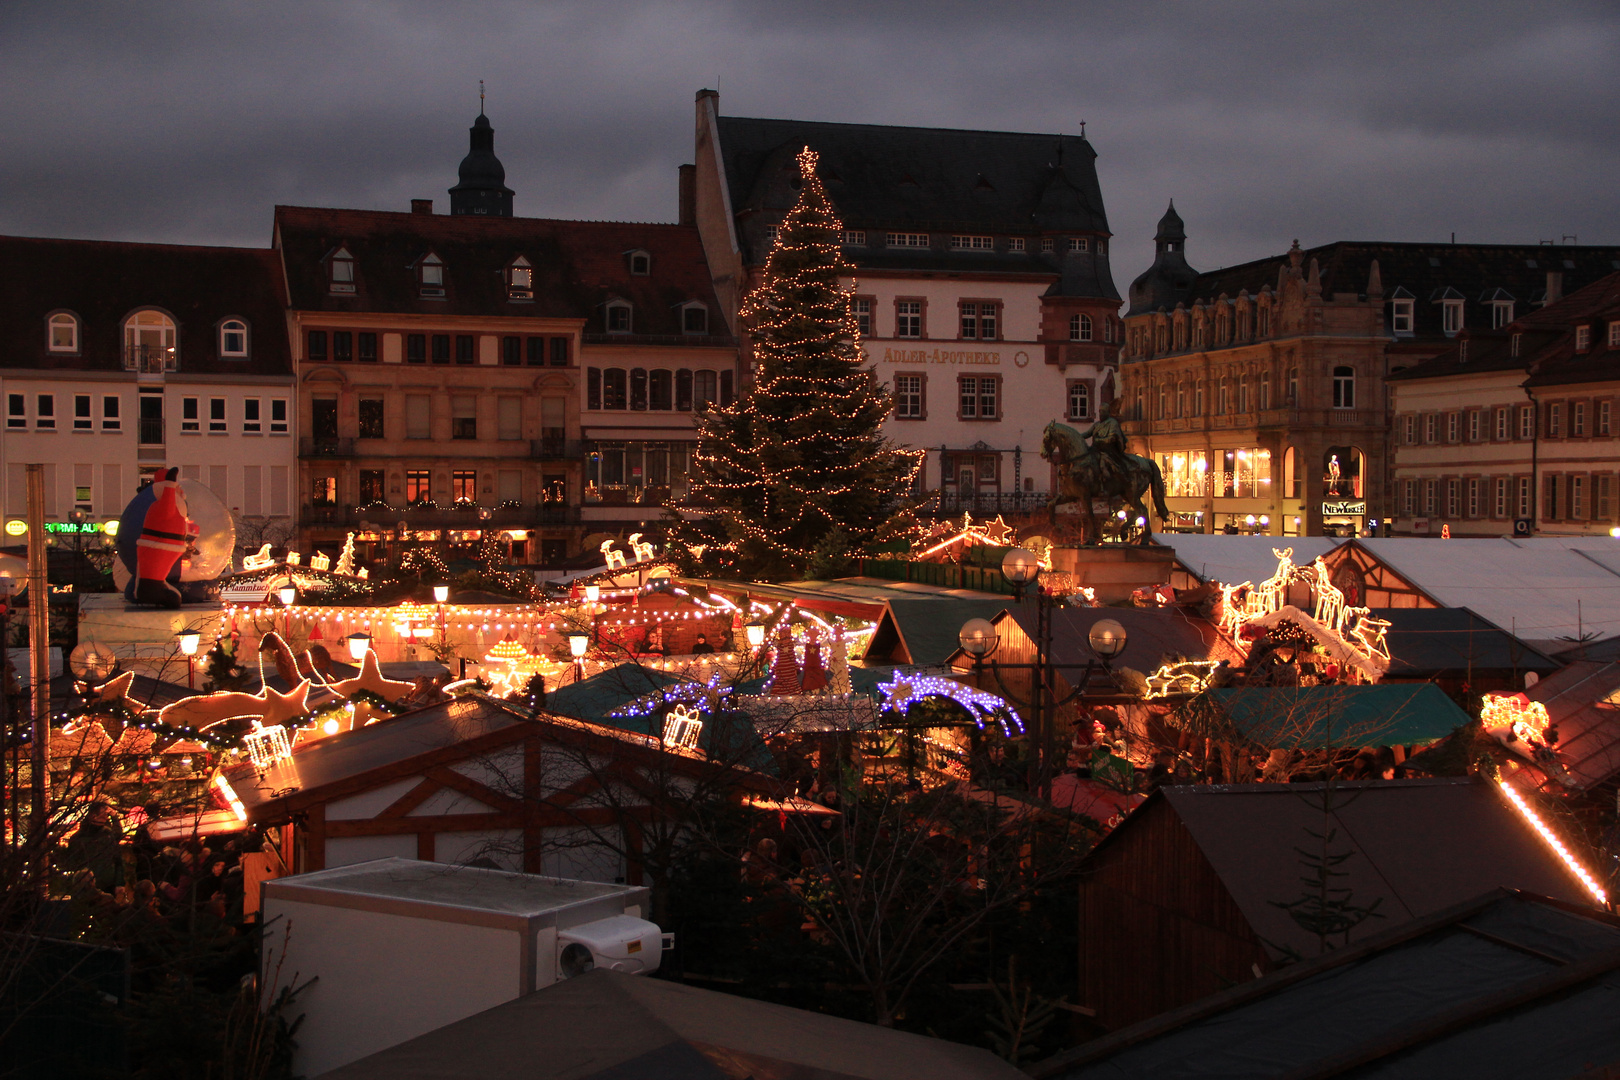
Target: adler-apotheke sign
959 357
1345 509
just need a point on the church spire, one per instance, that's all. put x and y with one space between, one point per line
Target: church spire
483 187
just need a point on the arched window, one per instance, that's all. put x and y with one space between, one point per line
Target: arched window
149 342
1181 400
614 388
62 333
1079 327
1290 473
618 318
1344 388
1079 401
661 390
233 339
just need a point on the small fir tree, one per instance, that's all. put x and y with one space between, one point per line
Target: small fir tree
802 453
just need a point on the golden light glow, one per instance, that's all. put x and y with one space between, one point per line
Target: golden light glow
1527 719
1552 841
229 794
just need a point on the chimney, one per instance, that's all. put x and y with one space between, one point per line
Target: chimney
688 195
421 206
1555 287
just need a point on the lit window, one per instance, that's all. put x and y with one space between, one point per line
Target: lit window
618 318
908 397
431 275
520 280
81 413
149 338
64 333
907 240
1079 327
341 271
190 418
418 486
233 338
695 319
854 237
251 424
1016 243
45 412
464 486
970 243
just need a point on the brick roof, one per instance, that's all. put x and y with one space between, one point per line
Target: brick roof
578 267
103 282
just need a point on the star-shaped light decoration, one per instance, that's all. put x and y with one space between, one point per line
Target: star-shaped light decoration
998 532
371 678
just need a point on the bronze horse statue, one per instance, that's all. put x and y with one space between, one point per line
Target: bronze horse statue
1083 475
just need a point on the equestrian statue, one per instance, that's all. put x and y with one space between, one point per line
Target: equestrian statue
1102 470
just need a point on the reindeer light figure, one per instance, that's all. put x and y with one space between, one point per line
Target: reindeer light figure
644 551
1329 600
614 559
1368 633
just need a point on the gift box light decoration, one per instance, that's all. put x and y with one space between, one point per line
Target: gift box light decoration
682 727
267 745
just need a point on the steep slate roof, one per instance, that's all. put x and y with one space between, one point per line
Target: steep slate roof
1420 846
1425 271
605 1024
1578 701
103 283
578 267
1429 642
1503 986
927 179
1311 717
1546 346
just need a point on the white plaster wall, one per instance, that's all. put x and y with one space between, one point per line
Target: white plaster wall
503 847
579 854
383 978
368 804
348 850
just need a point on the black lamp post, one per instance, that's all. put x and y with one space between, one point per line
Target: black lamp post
979 640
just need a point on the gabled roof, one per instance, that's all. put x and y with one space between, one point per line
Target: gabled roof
1419 846
604 1024
1506 985
1430 642
1152 636
103 283
1581 701
1313 717
925 630
1232 560
578 266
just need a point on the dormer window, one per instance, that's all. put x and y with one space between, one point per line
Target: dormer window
640 263
62 333
233 339
520 280
340 268
1501 313
149 346
1402 306
695 319
618 317
1451 316
1583 338
430 275
1515 344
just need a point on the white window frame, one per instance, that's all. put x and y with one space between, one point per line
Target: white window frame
82 419
1016 244
854 237
1079 393
1344 387
252 416
1605 413
1501 497
1401 316
430 276
861 306
217 410
1527 422
1453 426
1501 313
340 272
1524 497
906 240
1501 423
1472 506
520 278
973 243
114 421
1079 244
1614 334
1474 425
44 412
1080 327
908 319
1583 338
282 426
908 396
1451 316
62 319
1409 435
233 328
629 317
190 416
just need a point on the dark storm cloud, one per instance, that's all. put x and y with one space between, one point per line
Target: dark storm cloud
188 122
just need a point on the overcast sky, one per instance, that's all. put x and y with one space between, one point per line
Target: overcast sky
188 122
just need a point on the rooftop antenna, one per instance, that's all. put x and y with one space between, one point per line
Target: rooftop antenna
480 97
1082 129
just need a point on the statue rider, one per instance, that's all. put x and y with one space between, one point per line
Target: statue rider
1106 435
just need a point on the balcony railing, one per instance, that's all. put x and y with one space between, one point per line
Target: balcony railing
556 448
321 447
522 517
149 359
151 431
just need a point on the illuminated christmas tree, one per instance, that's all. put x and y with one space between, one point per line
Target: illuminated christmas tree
797 474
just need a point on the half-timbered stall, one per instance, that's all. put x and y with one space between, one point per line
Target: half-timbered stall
475 779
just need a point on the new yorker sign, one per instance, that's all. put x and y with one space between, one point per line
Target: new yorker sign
950 356
1344 509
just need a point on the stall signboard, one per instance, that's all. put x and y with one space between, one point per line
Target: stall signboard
1342 508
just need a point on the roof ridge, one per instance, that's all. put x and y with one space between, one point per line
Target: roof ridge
230 248
911 127
483 220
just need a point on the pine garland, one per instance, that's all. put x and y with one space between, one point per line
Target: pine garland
797 473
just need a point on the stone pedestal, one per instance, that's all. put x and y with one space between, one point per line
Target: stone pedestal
1115 570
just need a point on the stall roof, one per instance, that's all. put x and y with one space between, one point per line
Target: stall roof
1540 594
1580 701
604 1024
1232 560
1505 985
1419 846
926 630
468 888
843 595
1428 642
1152 635
1309 717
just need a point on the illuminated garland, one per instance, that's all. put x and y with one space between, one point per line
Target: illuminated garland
707 695
904 691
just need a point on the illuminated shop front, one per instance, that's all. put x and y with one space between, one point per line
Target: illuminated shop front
636 473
